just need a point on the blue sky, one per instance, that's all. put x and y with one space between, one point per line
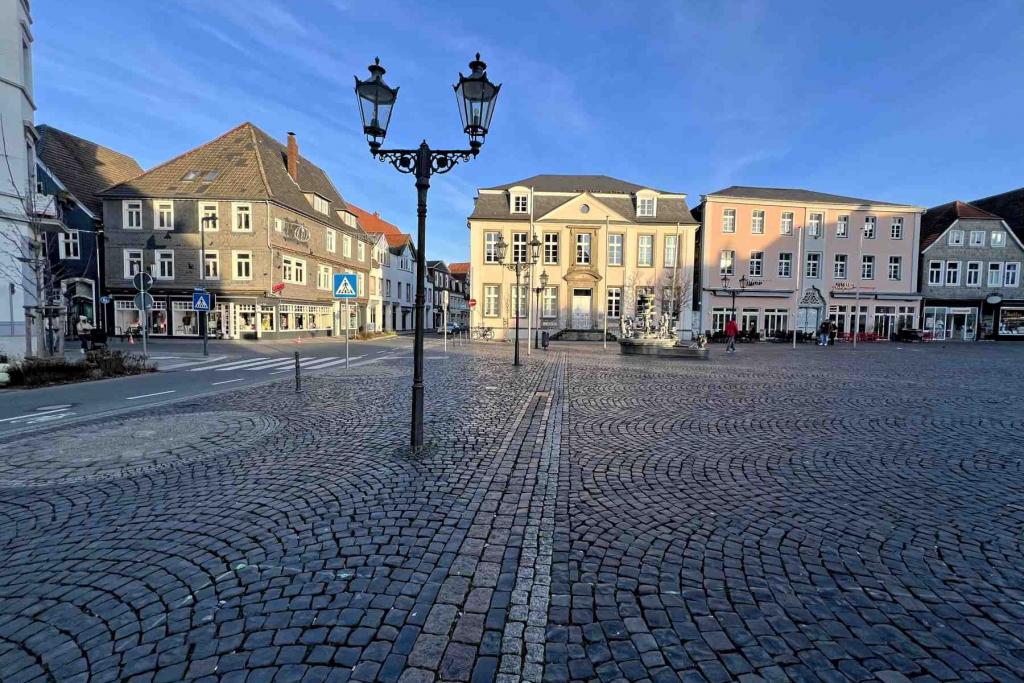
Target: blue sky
917 102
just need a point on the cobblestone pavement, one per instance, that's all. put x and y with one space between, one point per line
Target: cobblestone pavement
812 515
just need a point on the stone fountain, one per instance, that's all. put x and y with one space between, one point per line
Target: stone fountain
646 334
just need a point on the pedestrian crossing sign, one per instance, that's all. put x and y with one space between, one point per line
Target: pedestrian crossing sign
200 301
345 285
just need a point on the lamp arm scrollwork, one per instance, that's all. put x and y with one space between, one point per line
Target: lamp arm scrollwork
440 161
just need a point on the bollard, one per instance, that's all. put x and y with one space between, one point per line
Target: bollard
298 378
544 339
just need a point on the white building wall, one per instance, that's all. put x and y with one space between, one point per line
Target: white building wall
17 157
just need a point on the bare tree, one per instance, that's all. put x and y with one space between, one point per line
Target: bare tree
675 289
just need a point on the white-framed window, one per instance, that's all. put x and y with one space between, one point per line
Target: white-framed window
757 222
952 273
1011 274
839 265
936 273
519 247
551 248
491 298
814 222
956 238
867 267
360 284
241 217
614 309
671 251
321 205
870 223
843 226
645 251
361 251
729 220
786 225
163 215
209 216
756 267
813 266
211 265
896 228
293 270
583 248
331 240
727 262
977 238
164 261
278 225
242 267
491 240
895 267
615 255
346 246
645 206
995 274
132 262
549 302
973 276
519 300
520 203
997 238
132 219
324 277
68 245
785 264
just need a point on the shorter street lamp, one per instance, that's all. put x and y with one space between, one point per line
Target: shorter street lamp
518 265
540 318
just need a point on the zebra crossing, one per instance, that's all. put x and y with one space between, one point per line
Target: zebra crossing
271 366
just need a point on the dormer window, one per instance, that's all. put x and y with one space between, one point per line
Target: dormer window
520 203
320 204
645 206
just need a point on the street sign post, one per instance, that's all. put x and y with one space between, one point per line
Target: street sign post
346 286
202 302
143 282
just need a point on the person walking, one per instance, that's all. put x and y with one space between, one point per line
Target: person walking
823 333
731 330
83 329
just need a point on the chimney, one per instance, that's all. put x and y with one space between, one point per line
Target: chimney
293 157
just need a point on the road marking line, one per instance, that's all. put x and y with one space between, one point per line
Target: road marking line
159 393
259 366
234 364
335 362
48 417
237 379
38 413
187 363
316 362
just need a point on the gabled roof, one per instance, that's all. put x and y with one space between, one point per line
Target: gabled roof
438 265
460 268
373 223
576 183
244 163
793 195
1009 206
82 166
938 219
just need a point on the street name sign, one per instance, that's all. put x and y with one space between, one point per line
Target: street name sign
345 285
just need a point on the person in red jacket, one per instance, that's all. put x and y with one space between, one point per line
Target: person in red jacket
731 330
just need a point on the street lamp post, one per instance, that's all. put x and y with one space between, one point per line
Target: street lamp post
476 97
538 291
725 285
205 319
518 265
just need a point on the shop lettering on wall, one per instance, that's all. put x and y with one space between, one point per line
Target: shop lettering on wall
296 232
843 286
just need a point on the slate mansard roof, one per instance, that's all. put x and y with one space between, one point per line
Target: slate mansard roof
1009 206
938 218
244 163
493 202
795 195
82 166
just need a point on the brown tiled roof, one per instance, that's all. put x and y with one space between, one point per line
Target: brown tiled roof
938 218
243 163
1007 205
793 195
460 268
372 222
82 166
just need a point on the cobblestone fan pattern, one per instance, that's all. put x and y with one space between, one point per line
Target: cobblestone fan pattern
844 517
776 515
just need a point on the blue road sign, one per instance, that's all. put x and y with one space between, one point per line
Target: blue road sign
345 286
201 301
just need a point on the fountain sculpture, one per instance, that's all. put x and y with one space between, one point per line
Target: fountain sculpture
651 335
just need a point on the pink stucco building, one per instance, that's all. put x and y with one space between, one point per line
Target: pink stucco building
789 256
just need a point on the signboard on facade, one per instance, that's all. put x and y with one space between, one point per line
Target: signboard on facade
295 232
843 286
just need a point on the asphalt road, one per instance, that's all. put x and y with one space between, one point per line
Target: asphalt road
184 373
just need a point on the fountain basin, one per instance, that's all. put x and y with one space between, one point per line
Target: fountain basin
665 348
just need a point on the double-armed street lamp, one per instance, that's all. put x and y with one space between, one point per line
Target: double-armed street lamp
537 291
476 97
725 285
518 264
